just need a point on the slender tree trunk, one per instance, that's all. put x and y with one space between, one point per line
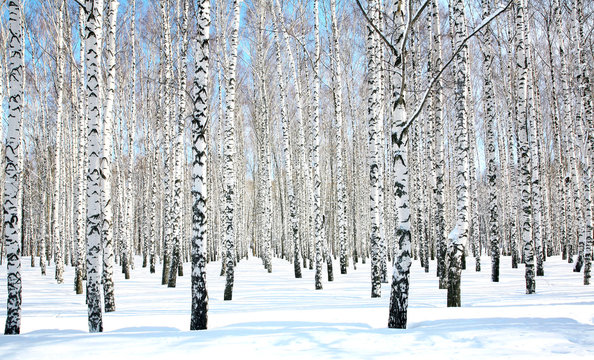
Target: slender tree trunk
131 124
439 163
316 149
585 100
287 150
458 237
340 168
168 115
178 151
524 150
229 177
106 193
490 118
59 212
82 151
374 149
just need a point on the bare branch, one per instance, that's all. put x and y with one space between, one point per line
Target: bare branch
470 36
382 36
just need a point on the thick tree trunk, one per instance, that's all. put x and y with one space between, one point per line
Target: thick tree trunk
94 250
12 219
398 314
200 118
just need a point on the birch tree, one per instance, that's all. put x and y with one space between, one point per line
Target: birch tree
178 151
398 313
93 10
82 158
200 118
12 219
585 100
458 237
341 187
58 219
437 101
317 183
229 153
106 181
374 150
524 149
489 107
294 222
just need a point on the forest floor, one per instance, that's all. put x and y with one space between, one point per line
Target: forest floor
275 316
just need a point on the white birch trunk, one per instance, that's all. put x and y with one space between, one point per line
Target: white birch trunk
585 99
294 221
374 150
398 313
130 193
200 118
458 237
178 151
340 168
167 116
491 142
524 150
82 160
316 150
106 193
12 219
59 212
439 163
229 154
93 31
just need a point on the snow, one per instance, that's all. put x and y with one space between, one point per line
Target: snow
274 316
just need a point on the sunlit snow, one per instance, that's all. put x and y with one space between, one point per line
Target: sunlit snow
274 316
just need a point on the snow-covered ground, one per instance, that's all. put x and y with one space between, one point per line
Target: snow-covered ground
275 316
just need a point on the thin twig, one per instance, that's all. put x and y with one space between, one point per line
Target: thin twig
460 47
